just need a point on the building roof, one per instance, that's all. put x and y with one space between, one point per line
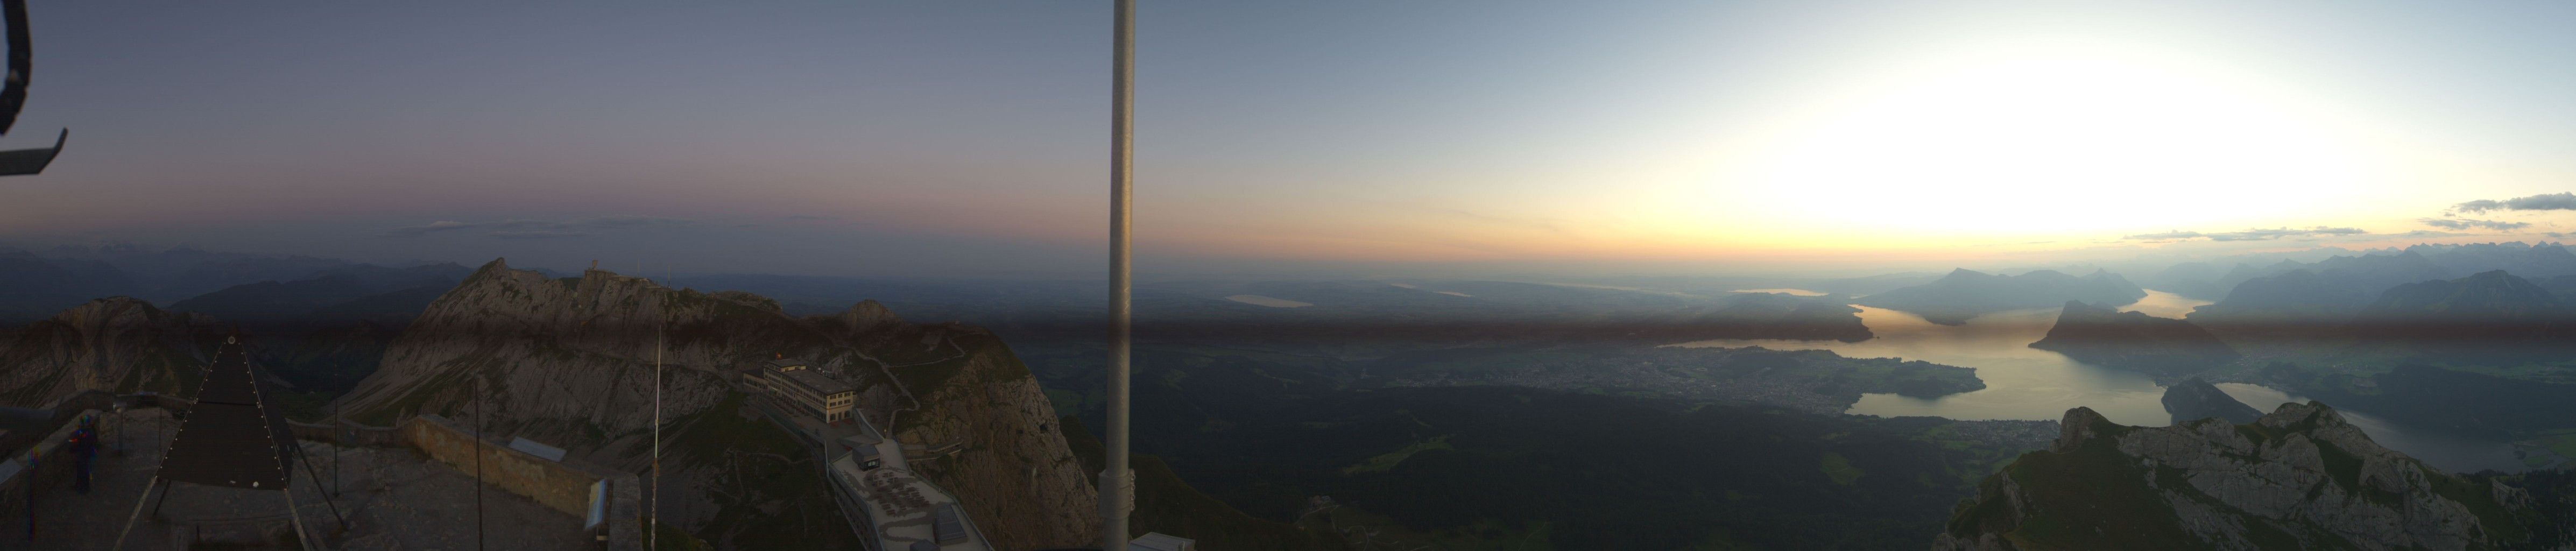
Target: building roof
861 440
1158 541
551 453
817 382
948 526
785 363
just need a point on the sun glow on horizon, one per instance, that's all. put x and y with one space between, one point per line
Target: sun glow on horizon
2063 145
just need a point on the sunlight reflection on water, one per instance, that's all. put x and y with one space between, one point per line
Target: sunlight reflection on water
2029 383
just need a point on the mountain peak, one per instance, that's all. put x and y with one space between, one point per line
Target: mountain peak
868 315
497 265
2497 276
2080 425
2298 478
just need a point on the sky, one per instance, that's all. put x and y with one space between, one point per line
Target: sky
953 138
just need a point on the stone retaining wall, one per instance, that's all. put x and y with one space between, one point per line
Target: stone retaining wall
350 434
554 484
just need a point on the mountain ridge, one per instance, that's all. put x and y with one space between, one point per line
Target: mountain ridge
2135 341
2300 477
569 361
1965 293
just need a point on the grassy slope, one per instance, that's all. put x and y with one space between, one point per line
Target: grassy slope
1164 503
769 492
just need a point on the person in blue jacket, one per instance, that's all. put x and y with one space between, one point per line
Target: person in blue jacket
84 443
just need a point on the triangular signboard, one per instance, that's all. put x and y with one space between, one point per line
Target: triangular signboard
234 436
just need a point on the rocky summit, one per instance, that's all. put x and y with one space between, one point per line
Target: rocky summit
2298 478
114 344
570 362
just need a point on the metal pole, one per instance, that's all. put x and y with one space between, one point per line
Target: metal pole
303 537
477 389
138 513
1117 483
652 531
308 473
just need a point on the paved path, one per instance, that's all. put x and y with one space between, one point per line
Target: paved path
394 498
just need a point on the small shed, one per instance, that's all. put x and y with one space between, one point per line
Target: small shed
531 447
948 526
1158 541
865 448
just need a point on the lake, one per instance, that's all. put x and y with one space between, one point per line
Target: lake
2029 383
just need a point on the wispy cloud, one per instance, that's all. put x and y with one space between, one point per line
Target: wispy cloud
2429 233
2546 201
2255 234
537 229
538 234
2467 224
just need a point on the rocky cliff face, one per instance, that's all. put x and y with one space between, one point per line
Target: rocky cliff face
2298 478
2101 335
569 362
116 344
1010 450
2195 398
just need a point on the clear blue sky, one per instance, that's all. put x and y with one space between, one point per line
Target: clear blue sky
933 138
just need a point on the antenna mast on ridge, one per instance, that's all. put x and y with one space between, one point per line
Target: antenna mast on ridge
653 530
1117 483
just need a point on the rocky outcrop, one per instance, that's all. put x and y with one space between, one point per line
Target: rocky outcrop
115 344
2197 399
1035 491
570 362
2298 478
2101 335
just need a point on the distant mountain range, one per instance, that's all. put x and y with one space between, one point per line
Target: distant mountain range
2372 271
36 284
2484 318
327 331
33 287
358 289
1965 294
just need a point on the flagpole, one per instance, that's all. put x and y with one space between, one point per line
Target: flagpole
652 536
1117 483
477 389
